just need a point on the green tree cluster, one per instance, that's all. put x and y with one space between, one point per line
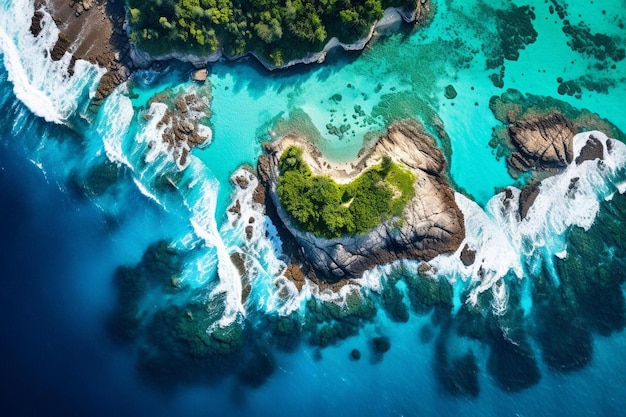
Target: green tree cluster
273 29
320 205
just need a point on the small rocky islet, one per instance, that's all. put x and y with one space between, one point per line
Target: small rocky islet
431 223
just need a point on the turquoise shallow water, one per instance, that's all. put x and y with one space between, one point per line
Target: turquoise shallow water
63 241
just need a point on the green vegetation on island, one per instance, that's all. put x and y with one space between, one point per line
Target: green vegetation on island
275 30
328 209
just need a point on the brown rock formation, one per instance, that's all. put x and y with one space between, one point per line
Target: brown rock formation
432 222
199 75
542 142
182 123
35 26
91 30
468 256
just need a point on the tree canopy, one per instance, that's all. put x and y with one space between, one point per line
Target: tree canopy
320 205
274 29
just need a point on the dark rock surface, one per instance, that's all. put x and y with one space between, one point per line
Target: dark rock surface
527 197
468 256
35 26
593 149
432 222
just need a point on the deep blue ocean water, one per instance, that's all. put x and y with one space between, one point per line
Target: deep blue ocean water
60 249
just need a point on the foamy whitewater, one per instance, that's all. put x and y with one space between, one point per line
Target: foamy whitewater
125 271
38 81
506 244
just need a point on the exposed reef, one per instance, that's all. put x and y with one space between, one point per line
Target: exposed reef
537 132
514 32
431 223
183 119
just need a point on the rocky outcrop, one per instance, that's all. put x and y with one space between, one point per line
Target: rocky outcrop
593 149
35 26
61 46
199 75
468 255
91 30
527 197
184 124
537 132
432 222
542 142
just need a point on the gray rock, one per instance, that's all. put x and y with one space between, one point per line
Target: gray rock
593 149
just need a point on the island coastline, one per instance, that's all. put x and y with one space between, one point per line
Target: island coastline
431 222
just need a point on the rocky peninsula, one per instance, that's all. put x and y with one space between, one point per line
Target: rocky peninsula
431 223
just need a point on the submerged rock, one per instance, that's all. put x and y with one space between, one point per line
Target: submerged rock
450 92
431 221
456 376
380 345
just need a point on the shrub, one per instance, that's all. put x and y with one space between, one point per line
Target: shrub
321 206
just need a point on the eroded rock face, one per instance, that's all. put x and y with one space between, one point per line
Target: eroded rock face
432 222
543 142
93 31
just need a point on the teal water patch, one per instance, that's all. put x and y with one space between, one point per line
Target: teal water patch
243 100
550 58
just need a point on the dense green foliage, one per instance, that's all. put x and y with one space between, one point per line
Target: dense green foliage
328 209
274 29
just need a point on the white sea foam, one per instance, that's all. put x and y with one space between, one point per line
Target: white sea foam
506 246
252 231
119 113
147 193
43 85
202 204
152 132
41 168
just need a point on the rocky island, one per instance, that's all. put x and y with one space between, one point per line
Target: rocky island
429 223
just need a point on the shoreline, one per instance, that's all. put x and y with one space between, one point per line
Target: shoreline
340 172
97 31
392 16
432 223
